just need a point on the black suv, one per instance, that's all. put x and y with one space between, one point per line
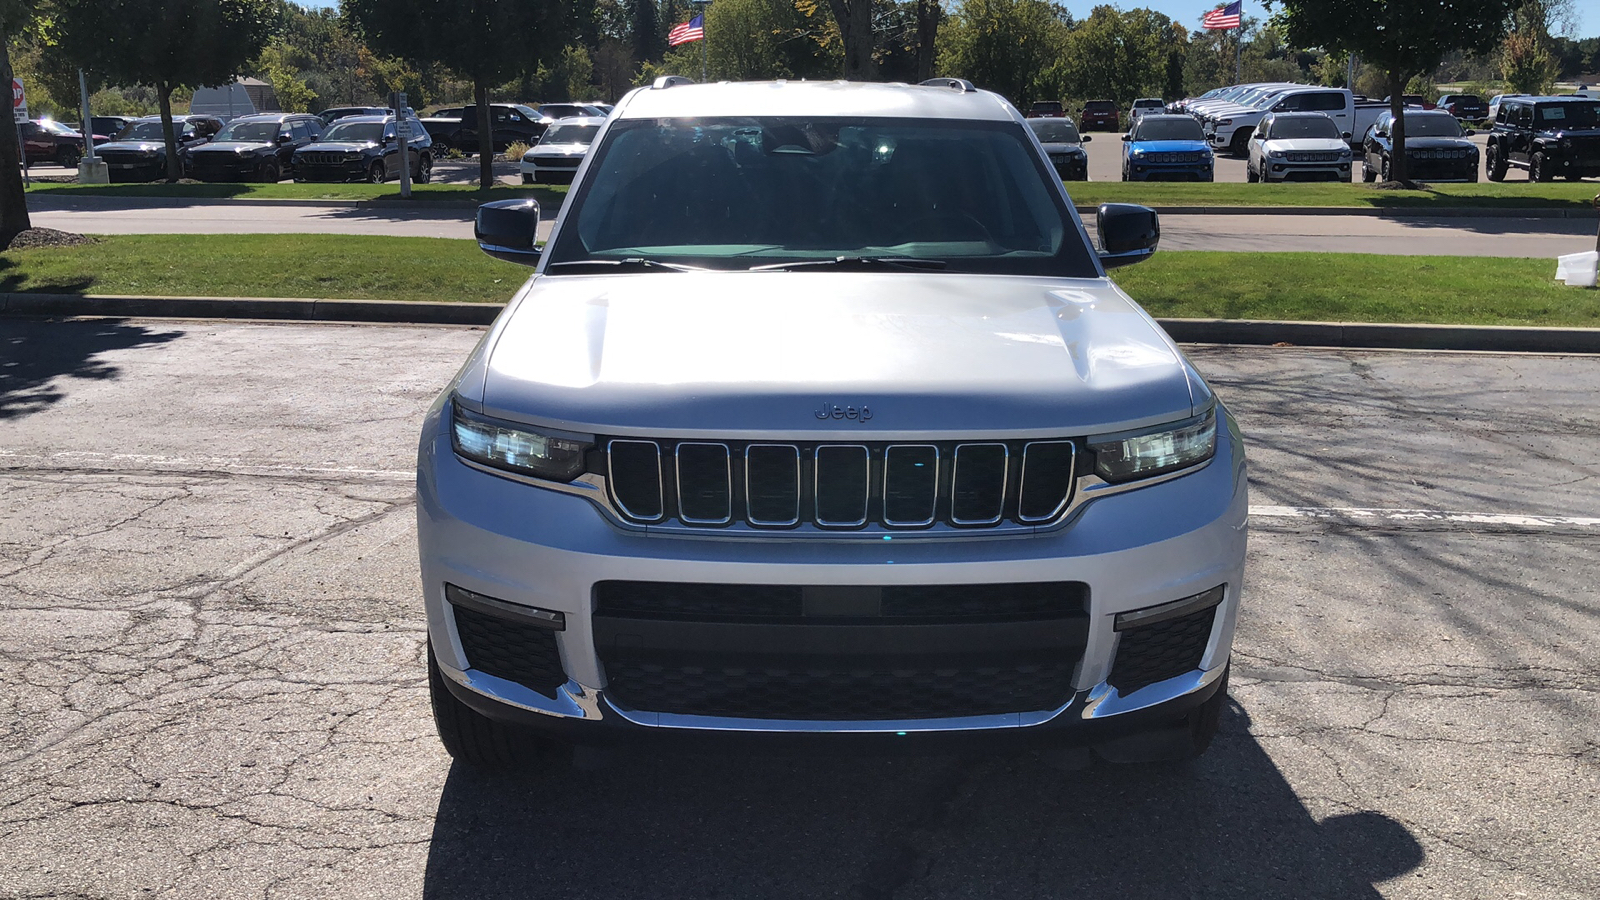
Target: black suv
139 151
254 148
365 148
1548 136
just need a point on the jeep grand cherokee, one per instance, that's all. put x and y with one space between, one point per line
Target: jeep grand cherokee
794 436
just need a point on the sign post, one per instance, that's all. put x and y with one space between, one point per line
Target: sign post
19 114
402 133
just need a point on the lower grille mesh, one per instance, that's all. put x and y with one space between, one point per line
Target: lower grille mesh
509 649
1151 653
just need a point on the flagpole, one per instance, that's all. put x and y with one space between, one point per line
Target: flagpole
1238 49
703 4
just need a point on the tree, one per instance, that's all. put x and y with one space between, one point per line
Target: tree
1011 47
855 27
486 41
1527 58
1404 38
15 15
166 44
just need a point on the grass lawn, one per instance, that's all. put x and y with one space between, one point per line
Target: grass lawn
1509 194
1350 287
1301 286
421 193
322 266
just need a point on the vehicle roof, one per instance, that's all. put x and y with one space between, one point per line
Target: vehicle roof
1309 114
580 120
1157 117
813 98
271 117
353 120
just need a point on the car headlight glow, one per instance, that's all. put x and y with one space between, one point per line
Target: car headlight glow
1155 451
1275 154
517 448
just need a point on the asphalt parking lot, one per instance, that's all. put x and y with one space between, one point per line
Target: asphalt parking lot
213 683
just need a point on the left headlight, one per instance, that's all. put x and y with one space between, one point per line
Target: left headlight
516 447
1155 451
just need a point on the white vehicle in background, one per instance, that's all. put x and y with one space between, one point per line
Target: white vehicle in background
1494 104
1231 129
1297 147
561 149
1145 105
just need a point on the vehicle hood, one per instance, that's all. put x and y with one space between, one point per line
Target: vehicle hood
133 146
751 354
337 146
1314 145
1436 143
1170 146
1062 147
234 147
559 150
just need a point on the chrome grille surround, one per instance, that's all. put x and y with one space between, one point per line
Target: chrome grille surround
1313 156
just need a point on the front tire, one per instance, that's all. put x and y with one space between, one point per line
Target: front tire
1539 167
1384 172
467 734
270 173
1240 148
1250 176
376 173
424 169
1493 165
1367 175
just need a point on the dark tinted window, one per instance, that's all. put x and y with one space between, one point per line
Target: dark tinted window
570 134
1055 131
703 191
1422 125
1568 115
1290 127
1321 101
1168 128
355 132
1100 106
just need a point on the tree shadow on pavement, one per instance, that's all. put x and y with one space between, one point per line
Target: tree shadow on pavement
1228 825
35 354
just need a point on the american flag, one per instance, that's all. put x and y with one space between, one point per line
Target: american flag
1226 17
693 30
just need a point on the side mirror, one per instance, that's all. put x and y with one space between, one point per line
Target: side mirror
1468 132
509 230
1346 135
285 138
1086 138
1127 137
1128 233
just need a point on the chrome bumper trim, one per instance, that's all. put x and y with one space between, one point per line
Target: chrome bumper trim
1104 701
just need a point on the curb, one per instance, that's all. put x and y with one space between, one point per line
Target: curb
170 202
1443 212
1249 332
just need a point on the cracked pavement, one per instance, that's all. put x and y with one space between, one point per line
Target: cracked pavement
213 682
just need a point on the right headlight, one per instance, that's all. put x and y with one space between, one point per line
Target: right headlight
516 447
1155 451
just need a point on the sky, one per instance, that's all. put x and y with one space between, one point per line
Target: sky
1190 11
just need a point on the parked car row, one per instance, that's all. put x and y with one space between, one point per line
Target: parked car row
512 123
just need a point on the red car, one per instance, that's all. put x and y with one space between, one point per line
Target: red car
1046 109
1101 114
45 141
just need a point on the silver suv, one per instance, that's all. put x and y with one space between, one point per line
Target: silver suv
819 419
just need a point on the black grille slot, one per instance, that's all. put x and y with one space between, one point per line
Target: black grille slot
1151 653
705 484
507 648
839 690
1047 470
635 477
841 492
660 599
979 492
772 484
910 484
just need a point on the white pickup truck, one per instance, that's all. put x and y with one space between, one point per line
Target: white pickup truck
1230 128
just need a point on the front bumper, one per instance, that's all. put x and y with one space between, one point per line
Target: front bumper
539 550
1282 170
1442 169
1141 171
351 170
243 169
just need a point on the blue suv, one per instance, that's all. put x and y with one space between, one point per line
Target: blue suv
1166 148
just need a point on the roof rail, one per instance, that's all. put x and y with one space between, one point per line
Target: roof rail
954 84
668 81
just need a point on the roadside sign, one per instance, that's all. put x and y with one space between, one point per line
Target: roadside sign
19 102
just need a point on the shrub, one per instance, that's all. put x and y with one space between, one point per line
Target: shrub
515 151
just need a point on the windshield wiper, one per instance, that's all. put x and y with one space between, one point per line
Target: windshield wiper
856 262
632 263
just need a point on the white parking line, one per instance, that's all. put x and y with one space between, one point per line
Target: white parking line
1382 516
16 459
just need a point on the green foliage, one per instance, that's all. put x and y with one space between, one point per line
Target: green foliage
163 43
1120 55
1527 59
1017 48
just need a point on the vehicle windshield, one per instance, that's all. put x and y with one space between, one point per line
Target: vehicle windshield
528 112
1147 104
1055 131
1100 106
150 131
1432 126
570 134
558 111
743 192
355 132
1305 127
54 127
257 132
1570 115
1168 128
